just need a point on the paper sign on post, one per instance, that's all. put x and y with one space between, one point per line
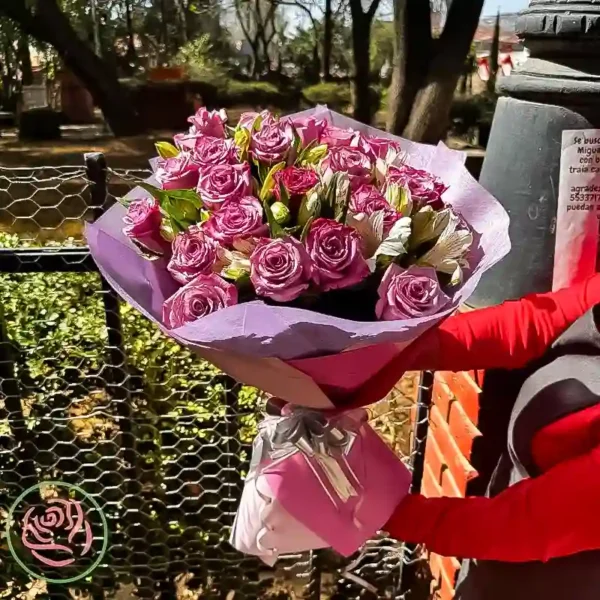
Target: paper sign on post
578 214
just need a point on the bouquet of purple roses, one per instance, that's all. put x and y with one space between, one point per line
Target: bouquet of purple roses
291 211
286 249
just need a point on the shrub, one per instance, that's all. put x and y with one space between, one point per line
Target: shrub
469 113
176 412
260 94
39 124
336 95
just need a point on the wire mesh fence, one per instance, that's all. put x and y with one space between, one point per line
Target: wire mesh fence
93 395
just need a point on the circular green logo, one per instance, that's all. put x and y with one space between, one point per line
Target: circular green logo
57 532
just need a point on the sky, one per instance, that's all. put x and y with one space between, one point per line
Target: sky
506 6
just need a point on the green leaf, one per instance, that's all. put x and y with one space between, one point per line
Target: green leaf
263 172
284 197
342 198
126 202
292 230
241 139
399 198
190 196
175 226
329 197
297 141
310 208
181 205
306 229
301 156
166 150
266 190
311 156
275 229
257 123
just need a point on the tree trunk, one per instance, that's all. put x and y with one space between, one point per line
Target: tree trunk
164 32
327 40
412 52
360 84
316 62
429 116
494 56
181 11
48 24
426 71
25 59
131 53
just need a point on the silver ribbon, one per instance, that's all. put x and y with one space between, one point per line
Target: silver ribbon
323 443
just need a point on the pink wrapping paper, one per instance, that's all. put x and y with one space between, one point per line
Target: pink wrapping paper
263 528
296 487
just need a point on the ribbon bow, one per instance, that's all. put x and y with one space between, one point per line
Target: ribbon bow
322 443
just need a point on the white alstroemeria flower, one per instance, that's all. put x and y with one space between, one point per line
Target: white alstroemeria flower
428 224
449 253
396 242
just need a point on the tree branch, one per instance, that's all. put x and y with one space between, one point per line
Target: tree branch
372 9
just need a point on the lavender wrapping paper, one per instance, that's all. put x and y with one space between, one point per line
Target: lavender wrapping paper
254 342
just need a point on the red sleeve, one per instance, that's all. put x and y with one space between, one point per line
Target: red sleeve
500 337
549 516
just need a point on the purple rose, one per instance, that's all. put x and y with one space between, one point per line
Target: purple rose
409 293
423 186
280 269
368 199
247 119
381 146
309 129
208 122
237 219
272 142
336 137
194 253
209 151
296 180
202 296
142 224
351 161
224 182
335 250
178 173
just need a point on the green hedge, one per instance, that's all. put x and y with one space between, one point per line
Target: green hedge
56 324
336 95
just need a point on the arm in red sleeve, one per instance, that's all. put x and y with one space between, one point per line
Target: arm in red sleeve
500 337
549 516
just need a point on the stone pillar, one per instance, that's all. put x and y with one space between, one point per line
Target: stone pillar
557 88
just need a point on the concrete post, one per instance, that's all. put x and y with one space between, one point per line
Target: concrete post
557 88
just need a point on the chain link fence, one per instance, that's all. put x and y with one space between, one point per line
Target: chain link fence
92 394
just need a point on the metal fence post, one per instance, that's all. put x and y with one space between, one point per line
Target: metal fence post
11 390
421 428
118 380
